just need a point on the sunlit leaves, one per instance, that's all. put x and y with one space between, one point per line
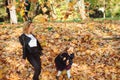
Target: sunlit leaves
94 58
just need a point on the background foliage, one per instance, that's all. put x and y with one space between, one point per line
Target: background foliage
60 7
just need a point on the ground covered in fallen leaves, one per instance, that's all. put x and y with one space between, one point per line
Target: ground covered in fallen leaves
96 58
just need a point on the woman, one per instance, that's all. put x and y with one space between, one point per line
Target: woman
64 62
31 49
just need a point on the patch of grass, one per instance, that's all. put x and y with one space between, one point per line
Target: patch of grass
101 19
76 20
68 20
1 23
4 27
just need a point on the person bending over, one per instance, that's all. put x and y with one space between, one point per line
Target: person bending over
64 62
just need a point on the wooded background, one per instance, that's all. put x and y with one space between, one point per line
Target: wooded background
71 10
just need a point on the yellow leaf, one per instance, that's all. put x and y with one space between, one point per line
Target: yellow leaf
40 18
66 37
44 43
56 35
1 74
72 3
55 50
43 38
44 10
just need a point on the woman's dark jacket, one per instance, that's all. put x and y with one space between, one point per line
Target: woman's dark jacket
61 64
27 50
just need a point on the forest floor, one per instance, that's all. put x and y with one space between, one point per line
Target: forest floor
96 47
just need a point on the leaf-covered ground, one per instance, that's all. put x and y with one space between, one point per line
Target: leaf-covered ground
95 58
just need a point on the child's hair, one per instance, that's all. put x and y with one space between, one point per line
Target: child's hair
68 49
65 50
26 26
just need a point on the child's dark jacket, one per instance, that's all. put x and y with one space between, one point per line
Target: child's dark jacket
61 64
27 50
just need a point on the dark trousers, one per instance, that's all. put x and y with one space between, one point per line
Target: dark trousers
36 63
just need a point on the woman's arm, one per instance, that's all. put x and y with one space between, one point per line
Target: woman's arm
22 41
40 47
24 53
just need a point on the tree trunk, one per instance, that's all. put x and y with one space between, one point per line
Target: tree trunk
104 9
12 8
78 5
81 7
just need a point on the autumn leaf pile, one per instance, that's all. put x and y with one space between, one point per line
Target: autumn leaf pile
95 58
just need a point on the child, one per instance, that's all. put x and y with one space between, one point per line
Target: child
64 62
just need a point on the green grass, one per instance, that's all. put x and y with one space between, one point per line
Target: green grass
68 20
1 23
101 19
